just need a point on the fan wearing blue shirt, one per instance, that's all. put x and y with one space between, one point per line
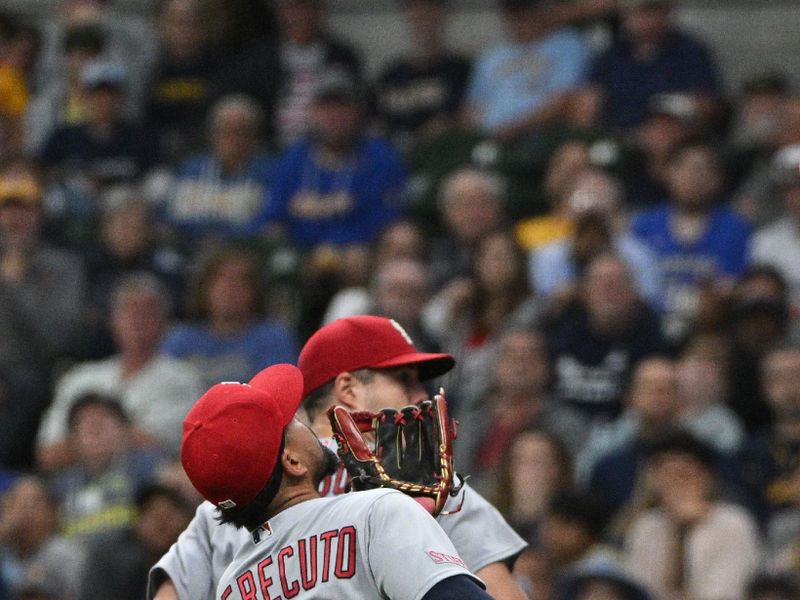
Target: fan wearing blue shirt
337 186
221 193
230 339
697 241
526 82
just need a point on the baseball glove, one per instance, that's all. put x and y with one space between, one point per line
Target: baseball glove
411 452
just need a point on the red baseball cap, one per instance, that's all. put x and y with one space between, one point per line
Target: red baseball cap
233 433
364 342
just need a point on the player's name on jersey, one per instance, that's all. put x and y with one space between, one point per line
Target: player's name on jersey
317 558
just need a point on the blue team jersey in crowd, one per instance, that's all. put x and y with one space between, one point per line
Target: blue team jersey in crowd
205 201
231 358
720 251
323 200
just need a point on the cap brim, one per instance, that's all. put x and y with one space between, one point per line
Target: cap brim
284 384
429 365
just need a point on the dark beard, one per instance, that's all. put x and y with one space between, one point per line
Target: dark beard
327 467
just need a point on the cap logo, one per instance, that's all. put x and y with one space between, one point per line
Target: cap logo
227 504
401 331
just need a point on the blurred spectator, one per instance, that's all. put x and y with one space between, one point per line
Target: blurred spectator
779 586
778 244
15 50
470 315
670 122
771 458
338 185
106 148
223 192
600 580
283 76
180 86
697 241
764 173
537 468
402 243
471 205
230 340
117 565
97 494
690 544
61 101
402 240
130 41
597 339
525 82
654 57
758 321
703 382
307 53
756 124
573 532
42 290
595 208
399 291
568 160
419 96
614 452
398 285
33 557
128 244
518 399
156 392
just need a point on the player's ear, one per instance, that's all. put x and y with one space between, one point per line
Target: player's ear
293 463
345 391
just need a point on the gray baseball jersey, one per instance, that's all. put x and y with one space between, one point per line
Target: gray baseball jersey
350 546
203 551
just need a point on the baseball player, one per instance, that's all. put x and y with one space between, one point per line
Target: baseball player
362 363
245 452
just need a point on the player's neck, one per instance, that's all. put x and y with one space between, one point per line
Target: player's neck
291 497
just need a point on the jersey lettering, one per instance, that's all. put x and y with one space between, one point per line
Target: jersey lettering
228 591
441 557
263 579
308 562
327 538
347 535
247 586
290 591
303 558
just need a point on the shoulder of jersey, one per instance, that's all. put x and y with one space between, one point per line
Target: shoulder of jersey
366 495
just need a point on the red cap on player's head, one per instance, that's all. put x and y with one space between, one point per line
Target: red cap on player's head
232 435
364 342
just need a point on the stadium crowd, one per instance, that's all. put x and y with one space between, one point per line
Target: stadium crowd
604 236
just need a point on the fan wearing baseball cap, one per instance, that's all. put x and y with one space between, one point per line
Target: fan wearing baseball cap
246 453
361 363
